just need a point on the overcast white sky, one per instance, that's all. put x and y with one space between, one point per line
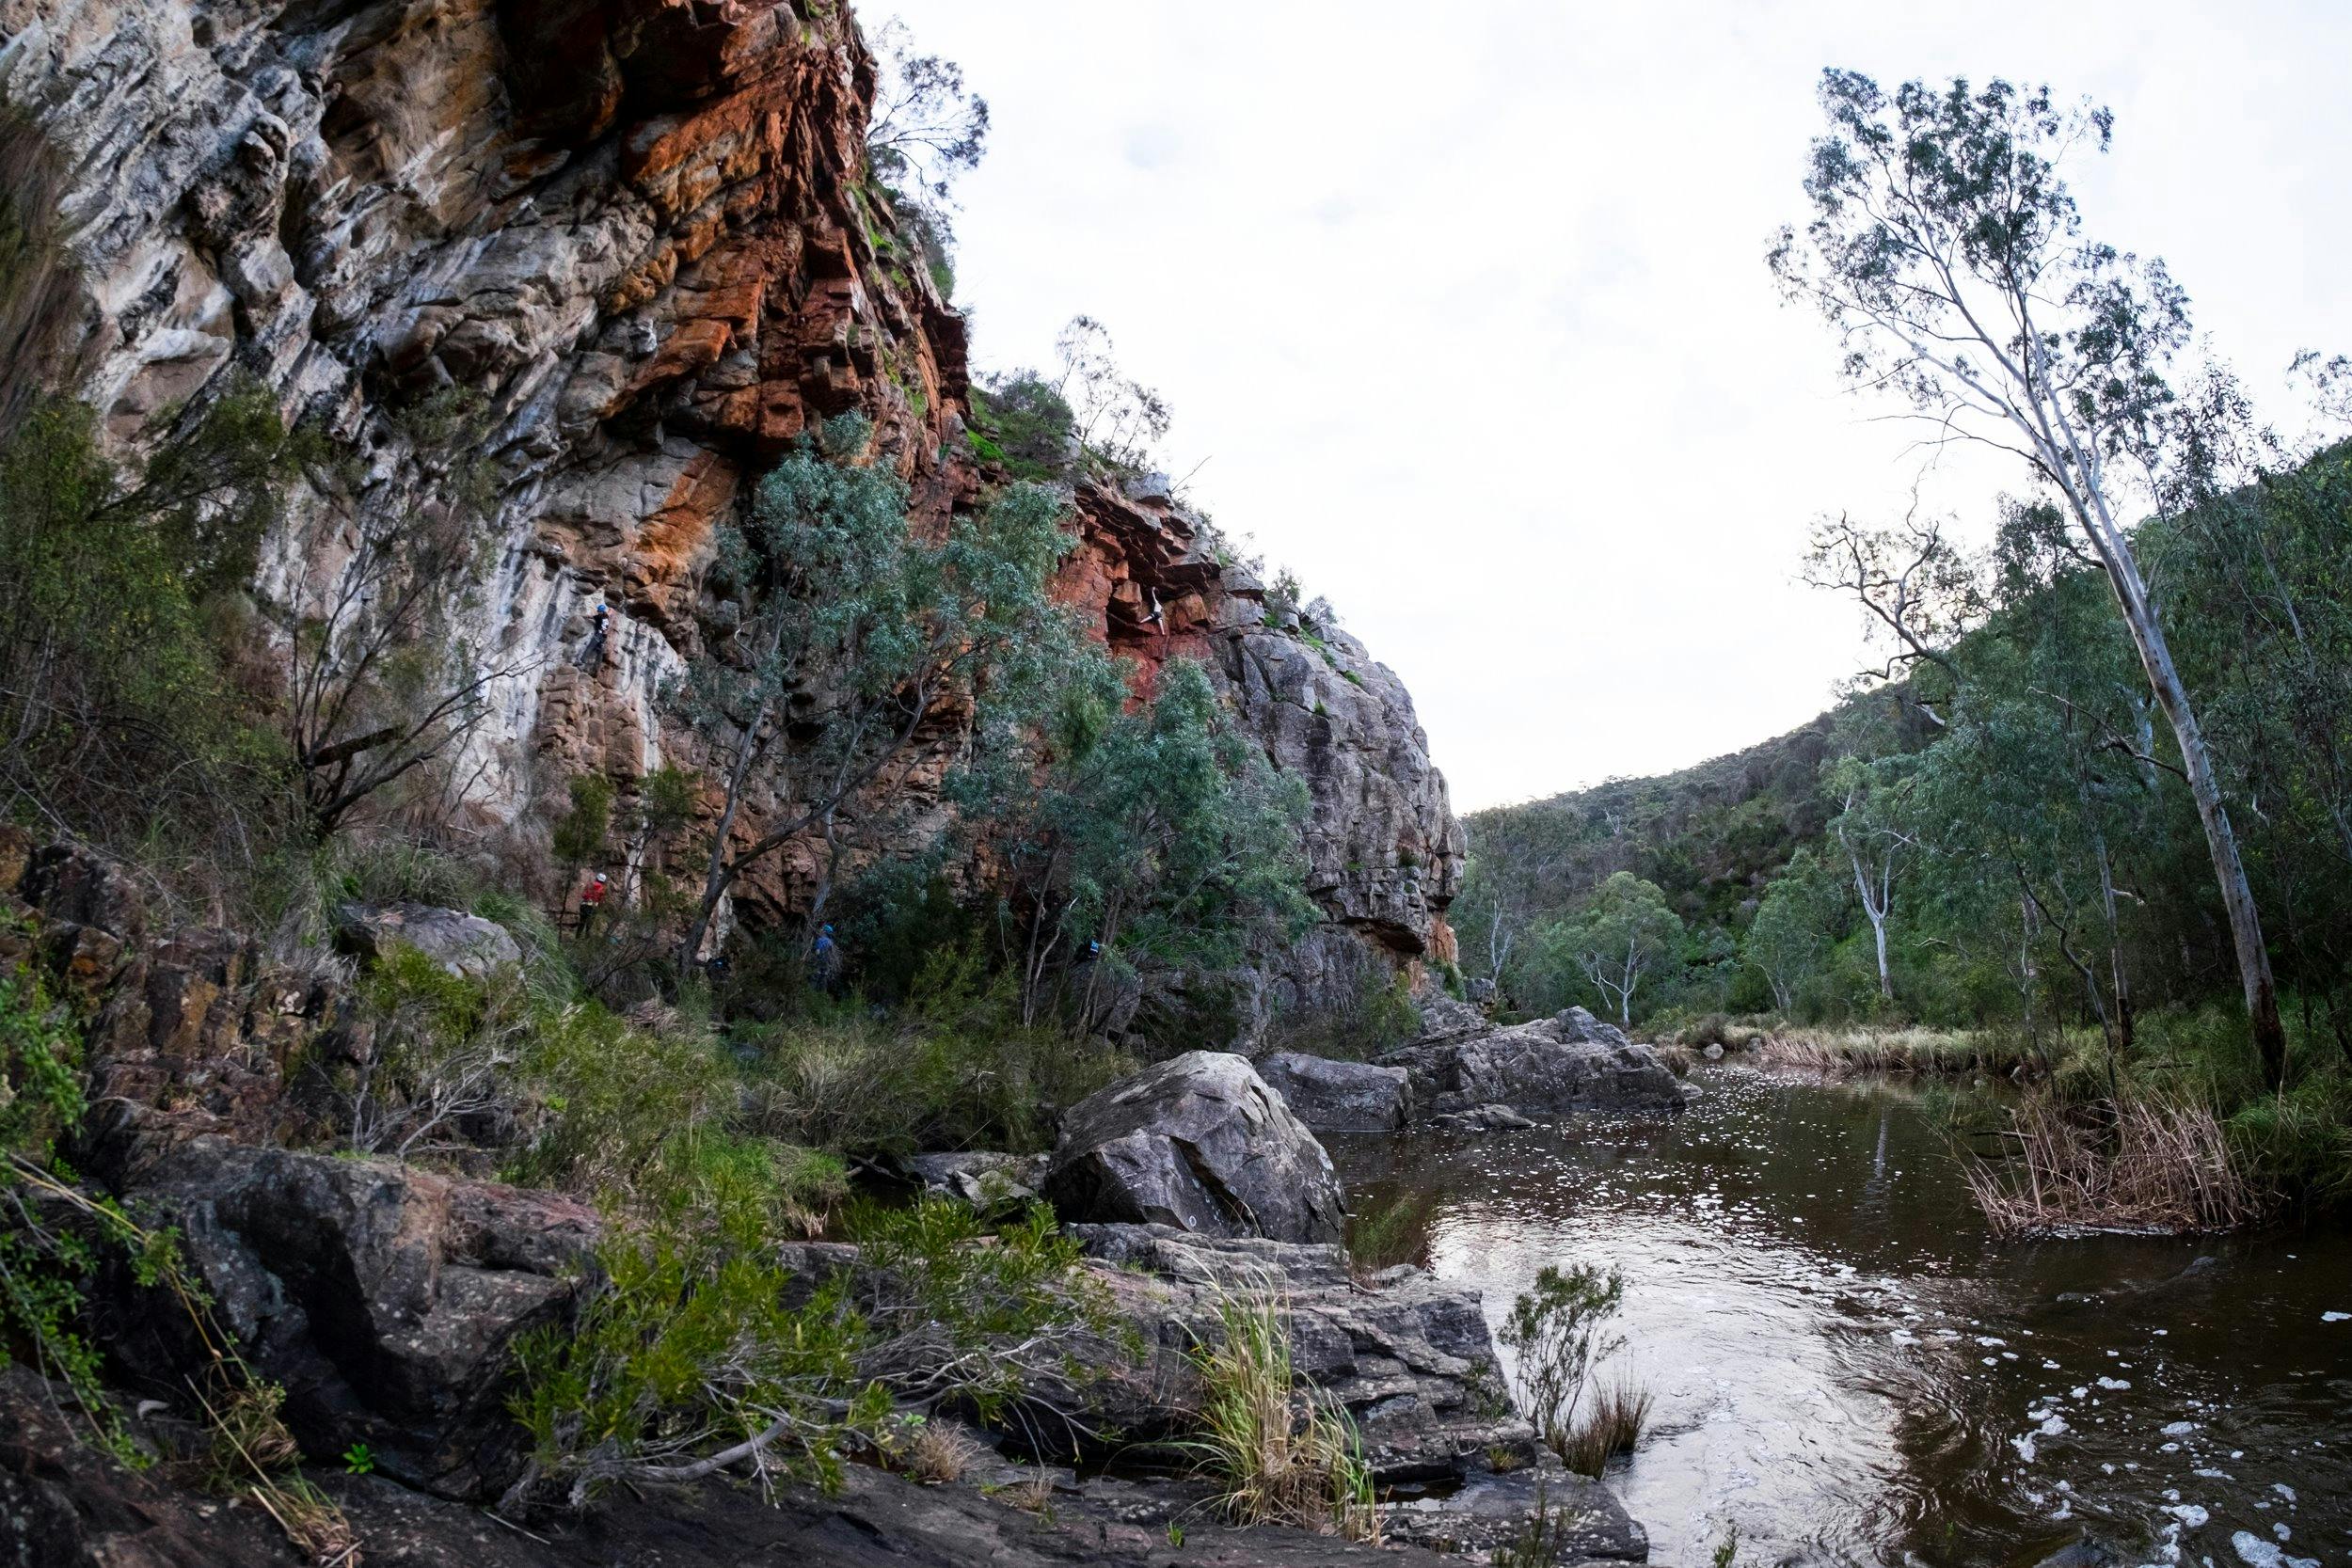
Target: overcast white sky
1465 308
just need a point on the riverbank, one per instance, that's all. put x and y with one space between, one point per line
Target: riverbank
2061 1131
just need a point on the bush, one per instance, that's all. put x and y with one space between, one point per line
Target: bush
122 720
697 1349
1557 1330
1026 423
974 1081
580 832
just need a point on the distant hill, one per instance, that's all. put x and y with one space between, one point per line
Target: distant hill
1711 835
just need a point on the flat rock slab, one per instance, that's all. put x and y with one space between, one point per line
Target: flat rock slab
68 1506
1587 1523
1408 1356
1200 1142
1340 1096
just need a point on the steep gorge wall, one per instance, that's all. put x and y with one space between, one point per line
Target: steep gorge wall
641 230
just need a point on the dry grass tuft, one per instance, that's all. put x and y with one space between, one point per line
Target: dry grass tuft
942 1453
1277 1458
1835 1052
2145 1163
1613 1425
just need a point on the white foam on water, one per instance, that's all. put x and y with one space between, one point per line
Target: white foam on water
2253 1549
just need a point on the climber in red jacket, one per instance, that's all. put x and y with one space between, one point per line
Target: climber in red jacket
591 900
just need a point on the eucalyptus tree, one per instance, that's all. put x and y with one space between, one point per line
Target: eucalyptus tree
1876 833
1145 832
1948 252
1790 941
851 632
1626 933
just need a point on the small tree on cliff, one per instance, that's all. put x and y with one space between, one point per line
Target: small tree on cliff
850 633
1949 254
1153 833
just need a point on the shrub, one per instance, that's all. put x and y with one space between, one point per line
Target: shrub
1557 1330
580 832
1028 423
444 1054
972 1079
697 1349
121 722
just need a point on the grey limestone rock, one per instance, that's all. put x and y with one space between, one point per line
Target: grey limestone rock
1201 1143
1339 1096
1461 1064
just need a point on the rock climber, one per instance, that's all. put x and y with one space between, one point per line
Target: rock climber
598 624
1152 616
590 901
827 960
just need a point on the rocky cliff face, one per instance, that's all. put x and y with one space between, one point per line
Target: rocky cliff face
642 233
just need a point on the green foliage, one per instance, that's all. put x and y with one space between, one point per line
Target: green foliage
359 1460
114 617
696 1344
580 832
958 1070
1157 836
1022 421
52 1235
829 590
1625 934
666 798
1557 1330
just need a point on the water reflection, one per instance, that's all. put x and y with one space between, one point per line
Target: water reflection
1847 1373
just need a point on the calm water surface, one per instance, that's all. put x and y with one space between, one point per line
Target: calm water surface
1848 1370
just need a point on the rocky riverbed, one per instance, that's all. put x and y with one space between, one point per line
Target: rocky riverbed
383 1299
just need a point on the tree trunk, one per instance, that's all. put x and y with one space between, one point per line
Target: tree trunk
2237 894
2074 466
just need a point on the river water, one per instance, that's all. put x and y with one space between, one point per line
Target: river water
1848 1369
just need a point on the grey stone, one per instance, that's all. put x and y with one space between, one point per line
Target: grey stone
985 1180
1339 1096
1713 1053
1462 1064
1587 1523
1409 1356
383 1298
1199 1142
464 944
1480 1118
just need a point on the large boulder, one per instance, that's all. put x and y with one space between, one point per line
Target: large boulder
1339 1096
383 1299
1200 1142
465 944
1550 1068
1409 1357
